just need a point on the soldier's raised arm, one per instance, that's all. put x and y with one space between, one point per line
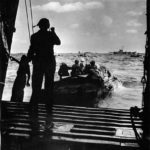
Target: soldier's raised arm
56 40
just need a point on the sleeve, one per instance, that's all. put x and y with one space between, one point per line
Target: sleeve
56 40
31 50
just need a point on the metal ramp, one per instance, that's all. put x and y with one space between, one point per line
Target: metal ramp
73 128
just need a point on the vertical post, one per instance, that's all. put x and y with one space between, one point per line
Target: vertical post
146 110
8 11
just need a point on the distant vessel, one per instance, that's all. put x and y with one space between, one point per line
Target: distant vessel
134 54
131 54
119 52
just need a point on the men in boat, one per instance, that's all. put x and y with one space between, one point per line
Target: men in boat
63 70
93 71
94 75
41 52
20 81
76 70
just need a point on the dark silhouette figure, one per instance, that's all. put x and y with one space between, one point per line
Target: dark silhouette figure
94 75
63 70
41 52
93 71
76 69
20 81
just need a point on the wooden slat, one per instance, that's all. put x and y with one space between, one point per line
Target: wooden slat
101 118
107 119
93 112
98 141
66 113
114 124
90 125
93 136
91 108
71 107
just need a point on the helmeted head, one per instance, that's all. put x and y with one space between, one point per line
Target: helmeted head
44 23
76 61
92 63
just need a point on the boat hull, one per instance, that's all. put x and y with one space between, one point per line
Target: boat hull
79 91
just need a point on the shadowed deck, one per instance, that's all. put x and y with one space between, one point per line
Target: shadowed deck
74 127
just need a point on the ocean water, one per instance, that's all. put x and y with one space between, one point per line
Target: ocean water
129 70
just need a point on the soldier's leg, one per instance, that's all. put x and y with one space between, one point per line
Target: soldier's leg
37 78
49 87
49 82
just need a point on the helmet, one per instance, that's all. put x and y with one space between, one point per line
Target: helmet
92 62
76 61
43 23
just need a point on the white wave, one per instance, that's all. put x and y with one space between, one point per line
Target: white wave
117 85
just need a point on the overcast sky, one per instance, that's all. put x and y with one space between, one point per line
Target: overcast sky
86 25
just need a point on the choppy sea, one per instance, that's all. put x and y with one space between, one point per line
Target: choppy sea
127 69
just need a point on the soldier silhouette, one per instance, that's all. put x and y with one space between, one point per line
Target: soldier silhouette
20 81
41 53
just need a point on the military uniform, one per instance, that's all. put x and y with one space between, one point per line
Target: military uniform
41 52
